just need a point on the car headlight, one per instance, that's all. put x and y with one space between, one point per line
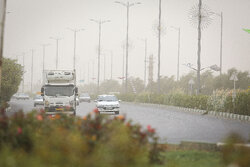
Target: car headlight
117 105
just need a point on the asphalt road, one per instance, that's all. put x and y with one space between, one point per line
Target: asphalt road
171 125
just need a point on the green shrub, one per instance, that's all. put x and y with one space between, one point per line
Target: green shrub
220 100
38 140
11 78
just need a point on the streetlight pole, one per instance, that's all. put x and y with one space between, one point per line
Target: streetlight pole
178 29
221 37
123 64
159 48
145 60
31 83
75 31
88 73
44 48
99 22
104 67
57 40
93 69
111 62
127 5
23 73
199 48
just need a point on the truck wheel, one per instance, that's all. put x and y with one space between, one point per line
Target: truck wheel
34 105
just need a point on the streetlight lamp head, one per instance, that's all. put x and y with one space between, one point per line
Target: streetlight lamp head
215 67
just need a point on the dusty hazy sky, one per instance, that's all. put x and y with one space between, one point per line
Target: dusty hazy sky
32 22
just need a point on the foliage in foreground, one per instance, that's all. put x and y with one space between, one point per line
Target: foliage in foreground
11 78
37 140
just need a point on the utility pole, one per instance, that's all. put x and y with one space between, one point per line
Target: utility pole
221 38
159 49
123 65
178 29
99 22
145 60
111 62
31 82
57 40
127 5
104 67
2 26
88 73
75 31
44 48
23 73
199 48
93 69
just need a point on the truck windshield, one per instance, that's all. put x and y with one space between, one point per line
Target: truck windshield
59 90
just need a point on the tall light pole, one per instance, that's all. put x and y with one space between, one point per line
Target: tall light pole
44 48
99 22
145 60
93 69
75 31
57 40
31 82
111 63
104 67
2 26
127 5
159 49
23 72
199 47
221 37
178 29
23 55
88 73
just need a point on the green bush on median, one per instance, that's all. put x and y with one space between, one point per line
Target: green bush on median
220 100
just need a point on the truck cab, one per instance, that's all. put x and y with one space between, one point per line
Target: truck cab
59 92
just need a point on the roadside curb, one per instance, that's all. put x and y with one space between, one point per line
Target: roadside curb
202 112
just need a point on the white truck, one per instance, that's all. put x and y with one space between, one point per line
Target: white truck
59 92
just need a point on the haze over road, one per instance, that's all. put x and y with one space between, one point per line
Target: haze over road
171 125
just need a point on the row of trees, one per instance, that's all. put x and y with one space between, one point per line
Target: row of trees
209 83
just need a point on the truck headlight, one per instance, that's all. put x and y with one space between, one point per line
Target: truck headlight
46 103
71 103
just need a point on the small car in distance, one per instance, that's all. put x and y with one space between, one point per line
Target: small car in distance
21 96
108 103
38 100
84 97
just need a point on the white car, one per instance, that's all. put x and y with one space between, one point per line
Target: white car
108 103
21 96
38 100
84 97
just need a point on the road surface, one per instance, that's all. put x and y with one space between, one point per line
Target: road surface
171 125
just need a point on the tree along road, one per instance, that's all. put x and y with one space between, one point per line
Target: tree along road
171 125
